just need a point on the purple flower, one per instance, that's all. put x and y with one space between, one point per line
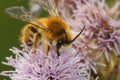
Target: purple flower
39 66
102 26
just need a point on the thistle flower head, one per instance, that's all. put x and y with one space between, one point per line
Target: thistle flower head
102 26
39 66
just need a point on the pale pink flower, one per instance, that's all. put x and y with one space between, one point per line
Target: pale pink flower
39 66
102 28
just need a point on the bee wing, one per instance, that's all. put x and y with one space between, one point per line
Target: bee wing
20 13
50 6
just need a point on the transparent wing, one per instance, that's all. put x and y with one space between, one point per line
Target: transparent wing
20 13
50 6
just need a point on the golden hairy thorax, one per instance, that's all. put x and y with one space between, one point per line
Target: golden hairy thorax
56 27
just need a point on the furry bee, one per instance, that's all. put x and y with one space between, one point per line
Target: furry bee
52 30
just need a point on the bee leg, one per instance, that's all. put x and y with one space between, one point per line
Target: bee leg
47 47
58 52
25 35
36 40
58 45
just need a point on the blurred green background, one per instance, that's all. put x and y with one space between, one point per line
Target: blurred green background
10 31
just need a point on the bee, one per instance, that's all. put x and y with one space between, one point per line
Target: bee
51 30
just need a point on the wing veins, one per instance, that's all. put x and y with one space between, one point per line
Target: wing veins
20 13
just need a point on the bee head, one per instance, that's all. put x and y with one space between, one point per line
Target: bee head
66 41
62 42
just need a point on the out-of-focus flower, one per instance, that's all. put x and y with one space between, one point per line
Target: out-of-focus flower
102 28
39 66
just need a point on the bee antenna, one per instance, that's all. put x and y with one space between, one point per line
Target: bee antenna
78 34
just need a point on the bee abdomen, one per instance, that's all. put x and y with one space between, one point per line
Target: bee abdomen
33 29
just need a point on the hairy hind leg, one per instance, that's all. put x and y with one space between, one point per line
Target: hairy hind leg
36 41
25 35
47 48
